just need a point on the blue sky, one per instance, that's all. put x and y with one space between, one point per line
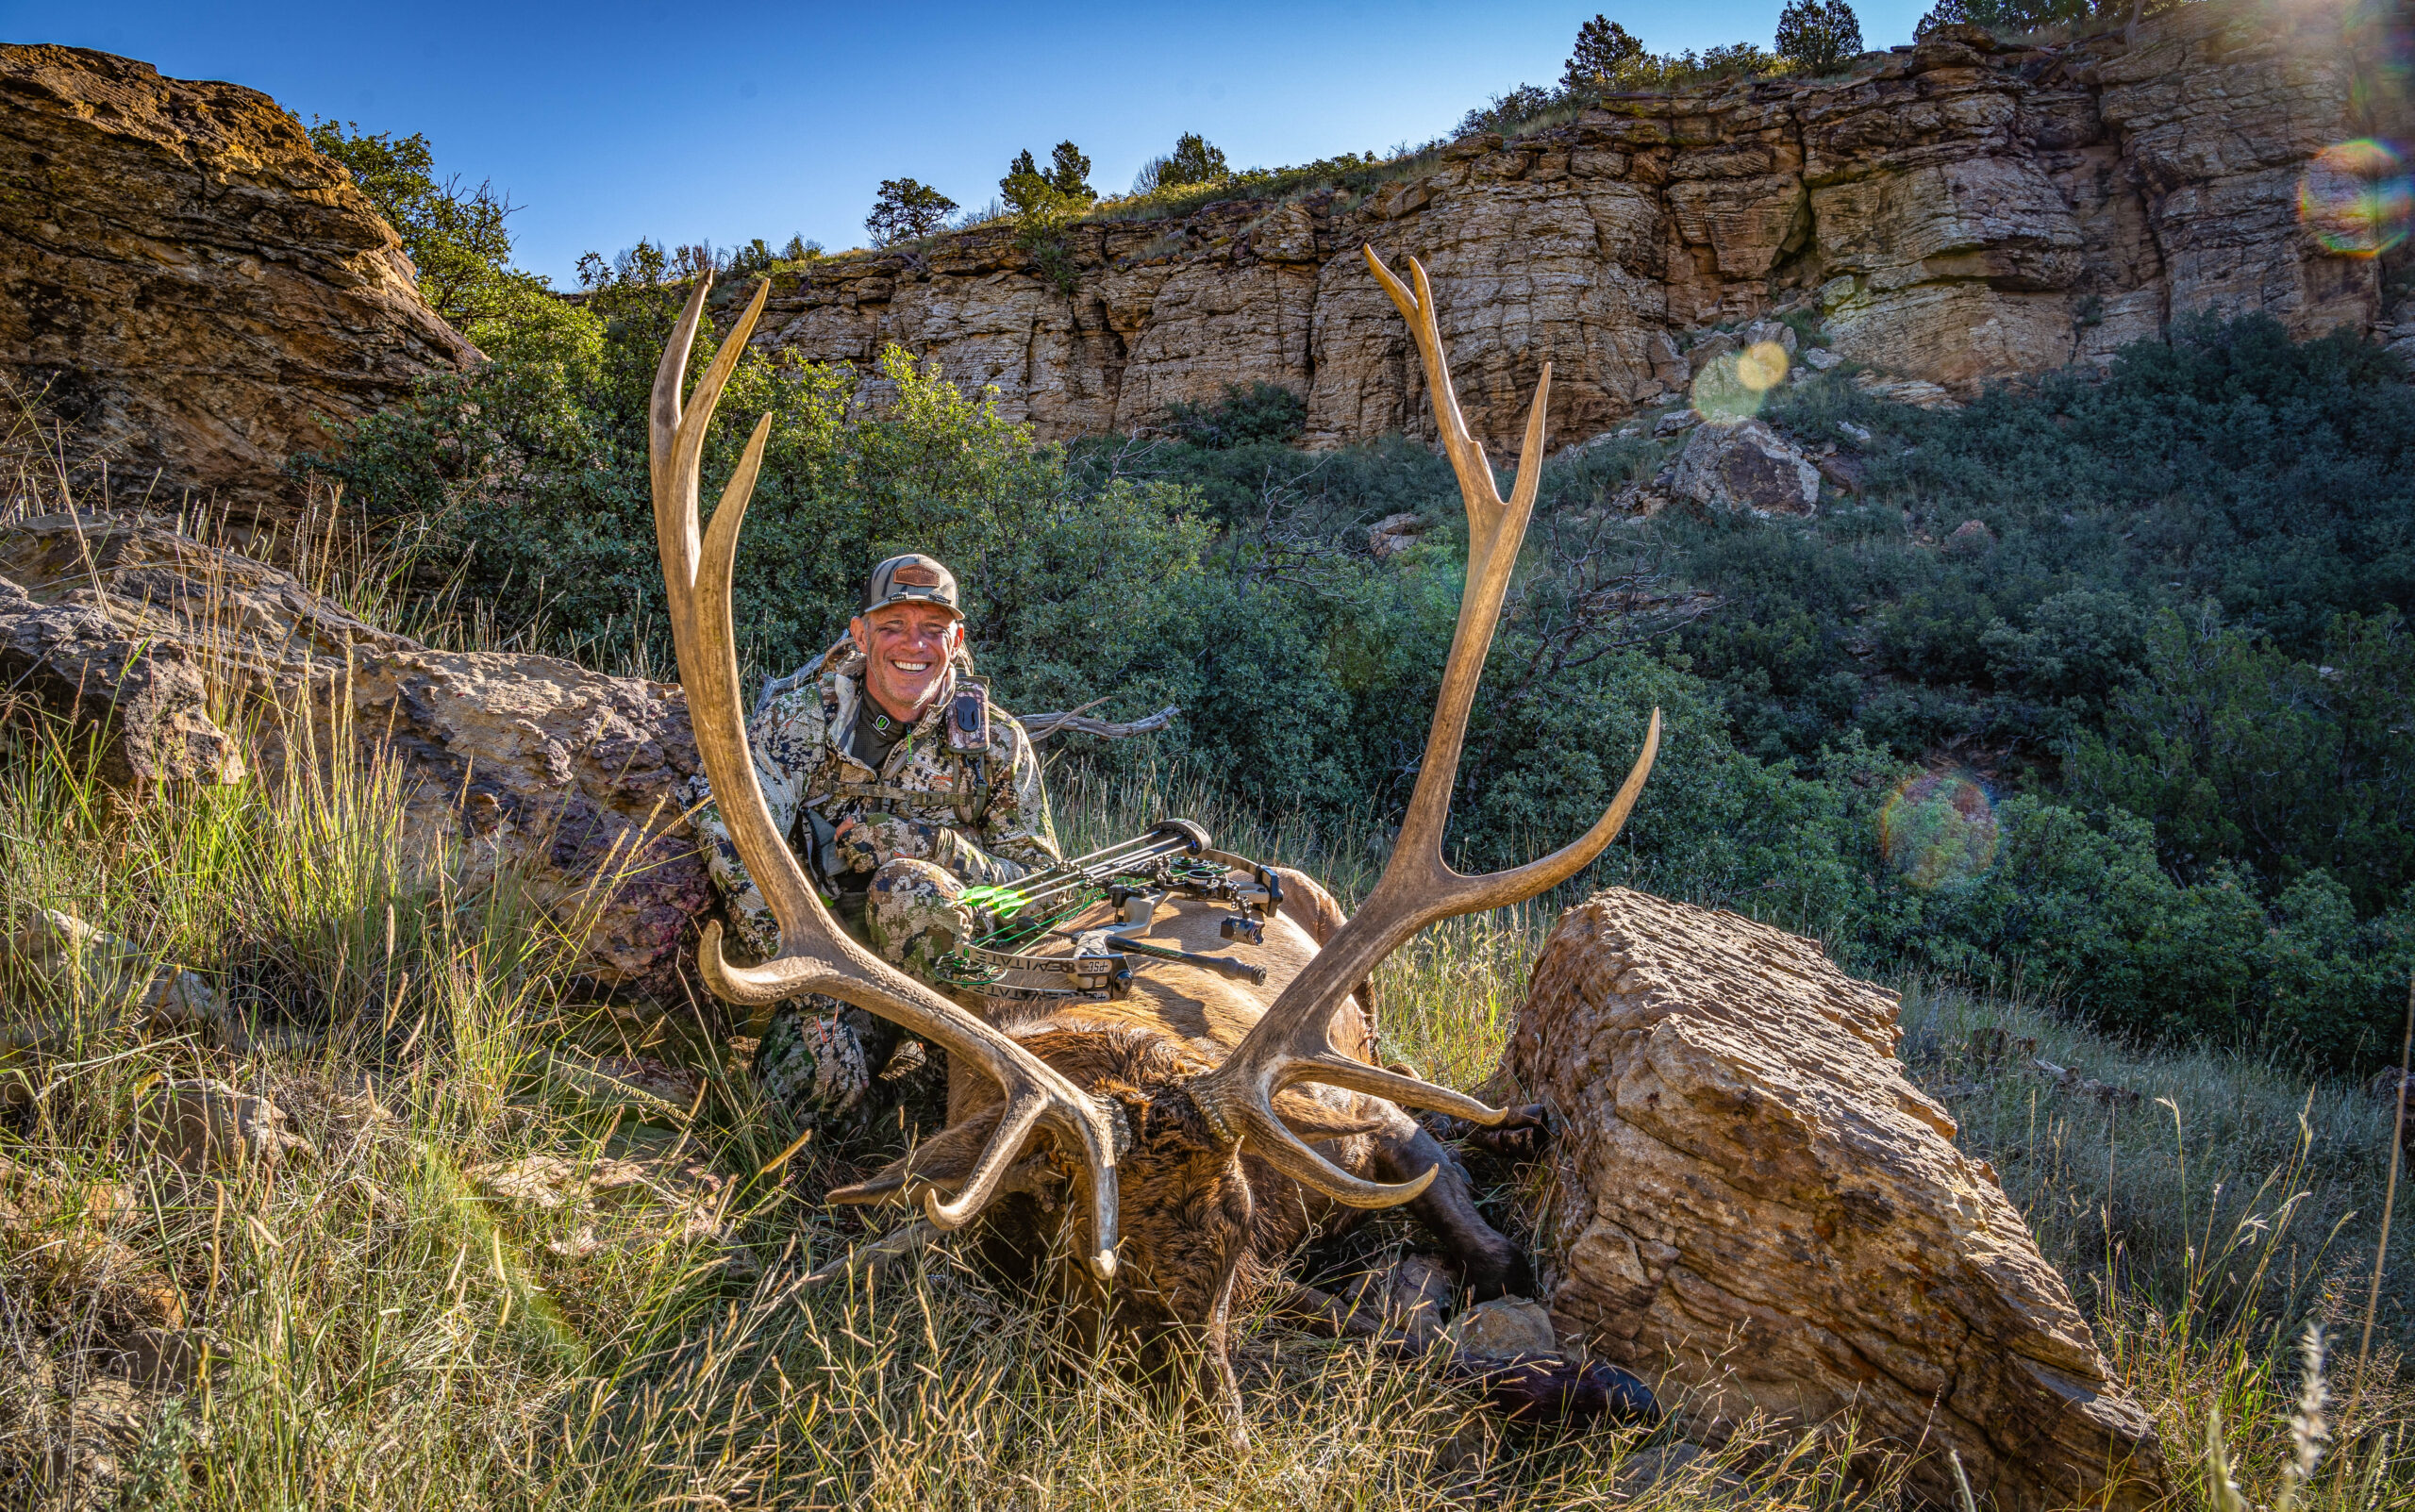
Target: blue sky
631 118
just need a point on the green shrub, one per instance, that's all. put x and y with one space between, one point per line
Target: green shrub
2239 753
1252 412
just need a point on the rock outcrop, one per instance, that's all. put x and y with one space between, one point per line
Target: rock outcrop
564 778
1743 465
1754 1207
148 700
198 292
1958 212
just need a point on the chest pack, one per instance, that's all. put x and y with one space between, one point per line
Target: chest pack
966 722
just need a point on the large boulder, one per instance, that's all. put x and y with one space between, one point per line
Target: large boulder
1742 464
1756 1208
199 293
564 778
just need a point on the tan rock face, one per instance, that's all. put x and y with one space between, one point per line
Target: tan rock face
197 290
1754 1207
562 776
1961 212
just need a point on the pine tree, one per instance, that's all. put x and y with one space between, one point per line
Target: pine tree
1192 161
1604 48
1069 173
907 209
1819 35
1028 186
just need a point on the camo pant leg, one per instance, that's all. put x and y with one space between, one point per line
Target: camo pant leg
915 915
820 1061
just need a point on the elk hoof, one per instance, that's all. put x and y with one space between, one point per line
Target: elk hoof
1551 1391
1522 1135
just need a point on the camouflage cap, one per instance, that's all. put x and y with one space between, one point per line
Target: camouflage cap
913 578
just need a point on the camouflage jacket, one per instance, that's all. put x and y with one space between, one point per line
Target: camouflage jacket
984 817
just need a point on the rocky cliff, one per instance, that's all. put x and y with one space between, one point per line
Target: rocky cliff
197 290
1958 212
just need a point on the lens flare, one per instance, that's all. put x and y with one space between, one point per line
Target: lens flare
1720 391
2355 198
1761 367
1938 828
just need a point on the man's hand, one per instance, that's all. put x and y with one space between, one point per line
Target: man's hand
867 842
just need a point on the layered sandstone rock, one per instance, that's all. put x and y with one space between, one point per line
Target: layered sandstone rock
563 777
1755 1208
1957 212
196 289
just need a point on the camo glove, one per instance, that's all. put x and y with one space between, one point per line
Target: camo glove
866 843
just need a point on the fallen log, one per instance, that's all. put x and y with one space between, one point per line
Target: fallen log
1754 1208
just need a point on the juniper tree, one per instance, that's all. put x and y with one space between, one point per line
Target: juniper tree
907 209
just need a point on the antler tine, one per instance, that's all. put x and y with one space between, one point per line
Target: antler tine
815 956
1292 1043
1465 452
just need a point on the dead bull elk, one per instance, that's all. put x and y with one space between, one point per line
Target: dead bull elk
1239 1125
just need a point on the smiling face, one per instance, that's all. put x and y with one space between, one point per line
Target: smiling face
907 647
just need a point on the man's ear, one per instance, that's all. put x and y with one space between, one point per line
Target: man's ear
955 636
856 633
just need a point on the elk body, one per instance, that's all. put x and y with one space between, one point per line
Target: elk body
1211 1123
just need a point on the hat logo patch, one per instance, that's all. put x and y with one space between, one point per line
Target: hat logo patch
913 576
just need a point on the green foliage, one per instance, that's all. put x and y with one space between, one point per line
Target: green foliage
1069 173
1065 183
2085 913
1507 113
456 237
2231 465
1819 35
906 210
1025 187
1611 59
2013 17
536 471
1248 414
2241 752
1604 49
1046 204
1194 160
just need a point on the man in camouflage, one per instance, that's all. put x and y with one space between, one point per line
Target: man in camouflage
898 787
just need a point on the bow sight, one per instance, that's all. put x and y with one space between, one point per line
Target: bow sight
1175 859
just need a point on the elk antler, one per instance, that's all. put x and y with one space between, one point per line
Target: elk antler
815 956
1292 1043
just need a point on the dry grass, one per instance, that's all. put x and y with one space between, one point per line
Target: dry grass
367 1327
